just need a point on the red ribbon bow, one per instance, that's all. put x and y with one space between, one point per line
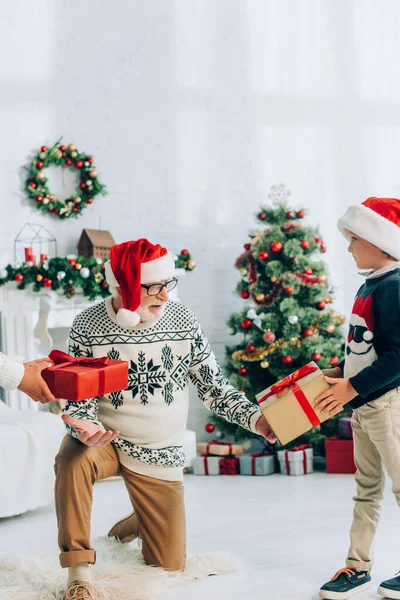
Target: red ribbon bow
62 359
289 382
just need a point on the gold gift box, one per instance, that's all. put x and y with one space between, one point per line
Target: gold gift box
219 449
284 411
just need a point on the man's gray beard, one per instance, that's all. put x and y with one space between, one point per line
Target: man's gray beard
147 317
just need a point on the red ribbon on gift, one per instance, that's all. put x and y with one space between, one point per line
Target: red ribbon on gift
205 462
253 460
289 382
62 360
229 466
301 448
218 443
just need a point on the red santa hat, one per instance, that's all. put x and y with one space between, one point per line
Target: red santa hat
131 264
377 220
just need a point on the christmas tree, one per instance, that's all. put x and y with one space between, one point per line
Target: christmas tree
286 321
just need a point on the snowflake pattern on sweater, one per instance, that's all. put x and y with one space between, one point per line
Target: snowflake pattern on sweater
151 413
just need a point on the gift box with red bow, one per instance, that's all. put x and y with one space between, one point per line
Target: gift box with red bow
214 465
217 448
258 463
289 404
80 378
296 461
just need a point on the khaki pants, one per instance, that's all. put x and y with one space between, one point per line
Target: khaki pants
376 431
159 506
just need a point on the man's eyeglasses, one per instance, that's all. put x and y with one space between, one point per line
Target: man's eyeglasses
156 288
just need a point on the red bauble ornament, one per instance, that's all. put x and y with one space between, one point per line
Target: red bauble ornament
19 277
89 200
276 246
289 289
82 185
68 162
43 148
321 305
242 371
246 323
334 361
185 252
247 247
56 211
323 248
76 208
316 356
39 198
263 255
47 282
305 244
79 164
318 240
33 185
89 159
209 427
244 294
308 271
269 337
250 348
40 164
328 300
262 216
308 332
300 214
290 214
62 148
287 360
72 262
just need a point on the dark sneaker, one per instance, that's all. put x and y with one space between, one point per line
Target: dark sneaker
390 588
345 583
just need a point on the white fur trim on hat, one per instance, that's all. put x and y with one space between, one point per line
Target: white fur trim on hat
158 269
374 228
110 277
127 318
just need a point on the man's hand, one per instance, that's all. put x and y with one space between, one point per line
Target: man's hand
89 433
33 383
264 429
332 401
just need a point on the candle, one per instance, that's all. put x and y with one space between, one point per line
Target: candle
43 257
28 254
33 259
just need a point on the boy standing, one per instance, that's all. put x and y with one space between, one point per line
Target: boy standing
369 380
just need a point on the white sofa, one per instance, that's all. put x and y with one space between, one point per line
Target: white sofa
29 442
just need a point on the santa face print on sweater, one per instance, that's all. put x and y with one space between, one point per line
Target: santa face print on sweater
360 351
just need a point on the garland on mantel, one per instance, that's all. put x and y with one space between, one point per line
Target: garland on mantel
67 274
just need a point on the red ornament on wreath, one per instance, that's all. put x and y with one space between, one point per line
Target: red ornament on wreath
318 241
334 361
185 252
36 185
305 244
19 277
290 214
276 246
316 356
246 323
244 294
263 255
323 248
262 216
242 371
210 427
287 360
269 337
247 247
47 283
300 214
321 305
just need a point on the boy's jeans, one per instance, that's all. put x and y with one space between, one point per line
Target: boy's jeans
376 431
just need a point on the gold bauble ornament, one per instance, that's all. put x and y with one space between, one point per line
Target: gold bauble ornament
57 153
243 272
260 297
42 155
274 279
78 266
93 174
330 328
191 264
74 154
77 200
40 175
71 147
89 182
46 200
39 277
264 364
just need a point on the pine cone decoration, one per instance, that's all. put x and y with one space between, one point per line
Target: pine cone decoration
69 291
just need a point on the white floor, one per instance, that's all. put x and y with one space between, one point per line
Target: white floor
291 532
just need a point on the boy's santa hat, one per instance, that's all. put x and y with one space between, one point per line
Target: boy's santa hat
377 220
130 265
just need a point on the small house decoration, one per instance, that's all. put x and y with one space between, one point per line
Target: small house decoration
95 243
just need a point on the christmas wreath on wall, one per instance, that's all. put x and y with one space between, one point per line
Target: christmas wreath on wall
67 274
36 185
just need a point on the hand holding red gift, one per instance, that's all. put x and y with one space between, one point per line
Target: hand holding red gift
90 433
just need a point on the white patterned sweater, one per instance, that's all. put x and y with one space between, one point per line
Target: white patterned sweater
151 414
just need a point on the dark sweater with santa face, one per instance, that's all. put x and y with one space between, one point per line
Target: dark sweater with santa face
372 360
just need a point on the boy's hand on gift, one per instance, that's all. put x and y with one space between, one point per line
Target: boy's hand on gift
264 429
89 433
332 401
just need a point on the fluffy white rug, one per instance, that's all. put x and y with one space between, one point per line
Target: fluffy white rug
120 573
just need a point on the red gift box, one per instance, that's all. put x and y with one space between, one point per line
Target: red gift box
339 456
229 466
80 378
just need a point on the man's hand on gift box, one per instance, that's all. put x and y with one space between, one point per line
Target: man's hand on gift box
332 401
264 429
89 433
